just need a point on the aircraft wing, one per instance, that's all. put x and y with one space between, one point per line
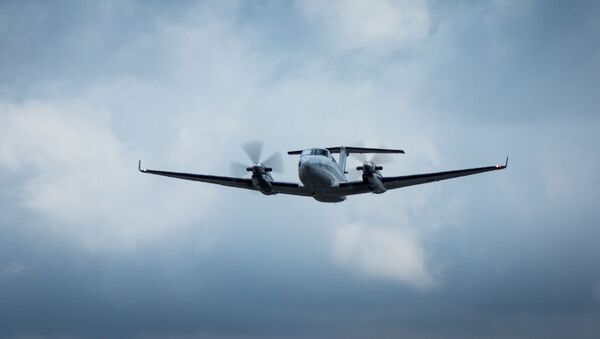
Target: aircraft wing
358 187
246 183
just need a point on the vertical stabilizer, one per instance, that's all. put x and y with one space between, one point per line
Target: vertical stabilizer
342 159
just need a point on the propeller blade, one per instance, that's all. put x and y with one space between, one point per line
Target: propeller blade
359 156
382 158
275 161
253 149
377 158
238 169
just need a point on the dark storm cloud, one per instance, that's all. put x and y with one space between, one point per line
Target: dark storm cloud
89 248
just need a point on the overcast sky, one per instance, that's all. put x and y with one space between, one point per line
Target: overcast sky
89 247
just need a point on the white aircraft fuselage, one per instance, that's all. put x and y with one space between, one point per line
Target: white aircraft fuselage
320 173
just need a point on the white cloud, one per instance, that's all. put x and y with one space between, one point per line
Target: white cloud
80 149
381 252
83 179
181 88
379 26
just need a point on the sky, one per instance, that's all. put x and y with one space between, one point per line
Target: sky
90 248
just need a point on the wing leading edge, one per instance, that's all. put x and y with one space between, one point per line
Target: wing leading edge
246 183
358 187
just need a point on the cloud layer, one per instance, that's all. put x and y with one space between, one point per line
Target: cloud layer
88 89
381 252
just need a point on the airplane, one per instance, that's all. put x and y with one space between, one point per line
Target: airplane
321 176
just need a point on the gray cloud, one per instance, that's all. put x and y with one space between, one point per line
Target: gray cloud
91 248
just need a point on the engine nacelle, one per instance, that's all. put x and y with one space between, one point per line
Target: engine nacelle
262 182
373 180
372 177
261 179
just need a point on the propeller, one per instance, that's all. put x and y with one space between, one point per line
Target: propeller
369 162
254 150
377 158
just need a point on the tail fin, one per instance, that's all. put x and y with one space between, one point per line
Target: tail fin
342 159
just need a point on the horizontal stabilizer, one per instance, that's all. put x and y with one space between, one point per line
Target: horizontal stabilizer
350 149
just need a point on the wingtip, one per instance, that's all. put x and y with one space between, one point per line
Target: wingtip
505 165
140 167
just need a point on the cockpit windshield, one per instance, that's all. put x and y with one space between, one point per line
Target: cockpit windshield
316 151
319 151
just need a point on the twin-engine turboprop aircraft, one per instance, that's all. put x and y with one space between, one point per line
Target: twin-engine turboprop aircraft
321 176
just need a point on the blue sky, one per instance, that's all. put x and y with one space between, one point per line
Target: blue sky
92 248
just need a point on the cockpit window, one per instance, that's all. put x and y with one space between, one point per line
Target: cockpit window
316 151
319 151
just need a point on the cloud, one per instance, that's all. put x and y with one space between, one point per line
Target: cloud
90 89
383 253
378 27
83 178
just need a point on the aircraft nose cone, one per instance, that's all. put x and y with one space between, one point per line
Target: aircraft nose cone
306 172
304 168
